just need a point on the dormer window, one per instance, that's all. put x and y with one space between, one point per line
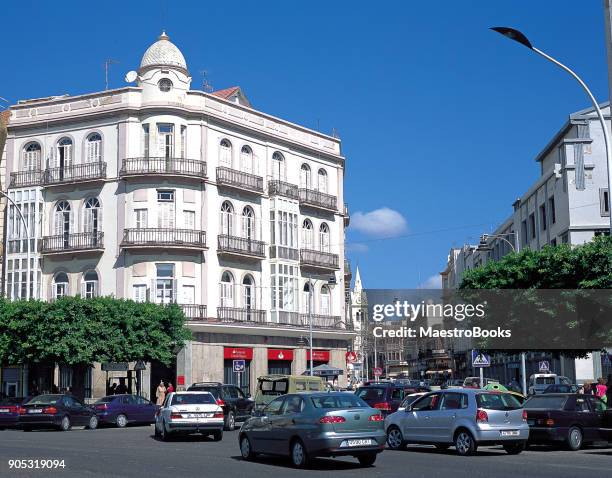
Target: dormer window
165 85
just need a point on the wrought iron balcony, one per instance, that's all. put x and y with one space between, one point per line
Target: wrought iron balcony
322 321
240 246
194 311
25 178
240 180
164 237
76 242
319 259
241 314
163 166
281 188
75 173
310 197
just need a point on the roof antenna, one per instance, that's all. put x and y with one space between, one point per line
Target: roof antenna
107 63
206 86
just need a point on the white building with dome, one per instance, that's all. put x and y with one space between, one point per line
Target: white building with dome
163 193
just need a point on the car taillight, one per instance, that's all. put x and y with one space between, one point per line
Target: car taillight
386 406
376 418
481 416
12 409
21 410
220 402
332 419
174 416
218 415
524 415
549 422
50 410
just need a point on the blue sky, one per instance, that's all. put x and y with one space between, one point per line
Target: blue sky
440 118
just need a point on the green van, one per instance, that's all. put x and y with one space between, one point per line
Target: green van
271 386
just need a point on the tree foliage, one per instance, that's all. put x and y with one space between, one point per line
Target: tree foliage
77 331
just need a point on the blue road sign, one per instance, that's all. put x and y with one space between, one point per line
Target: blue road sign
480 359
544 366
239 366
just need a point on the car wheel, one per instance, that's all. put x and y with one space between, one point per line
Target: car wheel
246 450
121 421
395 439
367 459
299 457
464 443
65 425
514 448
230 421
442 446
218 435
93 423
574 438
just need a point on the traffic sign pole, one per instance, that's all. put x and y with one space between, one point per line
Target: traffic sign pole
481 377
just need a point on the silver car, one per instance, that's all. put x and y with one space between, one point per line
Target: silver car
463 418
189 412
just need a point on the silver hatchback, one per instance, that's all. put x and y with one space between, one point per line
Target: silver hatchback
463 418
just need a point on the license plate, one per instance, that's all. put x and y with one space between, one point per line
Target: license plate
35 410
510 433
530 422
199 415
358 442
4 410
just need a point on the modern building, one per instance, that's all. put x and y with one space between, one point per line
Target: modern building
568 204
157 192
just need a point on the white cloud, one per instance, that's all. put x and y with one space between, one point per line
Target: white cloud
383 222
357 247
434 282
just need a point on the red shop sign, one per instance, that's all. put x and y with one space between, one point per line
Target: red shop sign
180 380
318 355
237 353
280 354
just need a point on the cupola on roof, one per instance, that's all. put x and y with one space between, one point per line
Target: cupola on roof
163 53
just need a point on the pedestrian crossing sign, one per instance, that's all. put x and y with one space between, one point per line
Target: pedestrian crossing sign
480 359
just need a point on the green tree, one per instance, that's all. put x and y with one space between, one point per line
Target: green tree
78 332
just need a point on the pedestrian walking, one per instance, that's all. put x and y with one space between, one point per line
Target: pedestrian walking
600 389
161 393
170 388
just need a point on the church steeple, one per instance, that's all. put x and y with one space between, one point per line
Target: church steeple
358 287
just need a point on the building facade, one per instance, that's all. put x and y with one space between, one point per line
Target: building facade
157 192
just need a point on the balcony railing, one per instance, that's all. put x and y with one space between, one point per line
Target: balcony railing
319 259
25 178
281 188
239 179
194 311
164 237
310 197
322 321
239 314
162 165
240 245
75 173
81 241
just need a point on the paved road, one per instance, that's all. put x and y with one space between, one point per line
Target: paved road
134 452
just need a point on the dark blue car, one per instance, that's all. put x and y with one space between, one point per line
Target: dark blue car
10 409
120 410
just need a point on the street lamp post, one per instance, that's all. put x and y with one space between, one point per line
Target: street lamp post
519 37
27 233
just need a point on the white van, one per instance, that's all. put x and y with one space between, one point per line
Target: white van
539 381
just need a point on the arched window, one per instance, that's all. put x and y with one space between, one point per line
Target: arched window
248 292
325 306
227 218
31 157
307 234
90 284
225 153
322 181
278 166
93 148
60 285
227 290
64 153
246 159
324 238
63 219
305 176
92 216
248 223
307 299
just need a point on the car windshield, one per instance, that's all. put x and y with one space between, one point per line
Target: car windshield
273 387
546 402
409 400
370 393
192 399
497 401
213 390
345 400
45 400
545 380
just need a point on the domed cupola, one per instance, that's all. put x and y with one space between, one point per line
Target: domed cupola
163 53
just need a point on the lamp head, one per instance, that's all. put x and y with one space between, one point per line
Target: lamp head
513 34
